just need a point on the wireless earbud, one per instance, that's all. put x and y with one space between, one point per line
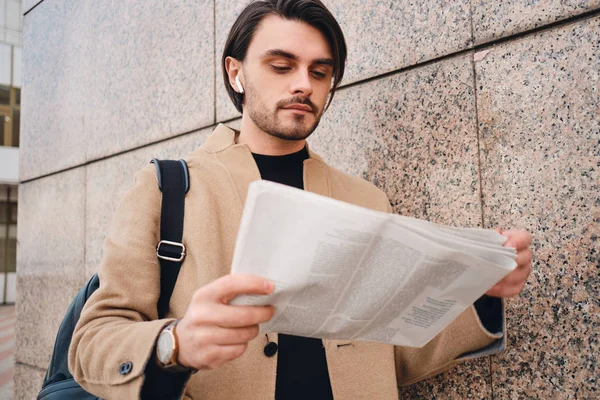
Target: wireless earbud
238 84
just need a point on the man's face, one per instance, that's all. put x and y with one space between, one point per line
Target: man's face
287 77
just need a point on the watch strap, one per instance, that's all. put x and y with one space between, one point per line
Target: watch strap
173 366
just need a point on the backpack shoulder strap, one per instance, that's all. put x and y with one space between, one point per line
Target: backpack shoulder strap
174 183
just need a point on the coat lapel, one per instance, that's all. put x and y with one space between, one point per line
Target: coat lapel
236 159
315 177
242 169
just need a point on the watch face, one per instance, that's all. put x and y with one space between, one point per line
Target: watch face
164 347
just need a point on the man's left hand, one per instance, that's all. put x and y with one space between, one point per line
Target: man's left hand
512 284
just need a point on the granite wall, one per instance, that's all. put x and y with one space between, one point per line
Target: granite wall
470 113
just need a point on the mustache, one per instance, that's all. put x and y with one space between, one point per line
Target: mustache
298 100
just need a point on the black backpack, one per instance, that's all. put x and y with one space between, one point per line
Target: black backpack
174 183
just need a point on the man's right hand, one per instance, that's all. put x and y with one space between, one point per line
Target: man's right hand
212 332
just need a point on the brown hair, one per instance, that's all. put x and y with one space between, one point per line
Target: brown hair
311 12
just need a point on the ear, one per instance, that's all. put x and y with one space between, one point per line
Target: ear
234 69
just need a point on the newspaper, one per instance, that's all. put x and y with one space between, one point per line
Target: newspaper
349 273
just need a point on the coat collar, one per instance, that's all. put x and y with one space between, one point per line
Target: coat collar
221 139
237 158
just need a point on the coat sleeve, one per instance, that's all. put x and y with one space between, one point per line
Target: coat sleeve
465 338
116 333
479 331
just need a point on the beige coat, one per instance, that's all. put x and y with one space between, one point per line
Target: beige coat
119 322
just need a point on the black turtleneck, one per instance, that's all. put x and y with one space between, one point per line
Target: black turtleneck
301 363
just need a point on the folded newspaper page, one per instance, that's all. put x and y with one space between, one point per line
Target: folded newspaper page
349 273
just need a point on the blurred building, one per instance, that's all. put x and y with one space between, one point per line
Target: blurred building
11 27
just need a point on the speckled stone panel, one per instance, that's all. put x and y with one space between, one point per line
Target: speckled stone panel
54 94
414 135
108 180
381 36
495 19
104 77
387 35
50 259
28 381
539 109
151 72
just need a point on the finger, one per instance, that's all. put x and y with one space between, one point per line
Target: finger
516 277
521 272
227 336
219 355
505 290
511 284
241 316
495 291
500 290
231 352
227 287
517 239
227 316
524 259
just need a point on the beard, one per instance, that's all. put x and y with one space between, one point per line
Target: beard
298 127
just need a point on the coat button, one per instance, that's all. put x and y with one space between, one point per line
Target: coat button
270 349
125 368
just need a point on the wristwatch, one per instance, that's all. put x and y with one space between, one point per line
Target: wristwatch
167 350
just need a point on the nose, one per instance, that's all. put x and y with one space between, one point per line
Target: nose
301 84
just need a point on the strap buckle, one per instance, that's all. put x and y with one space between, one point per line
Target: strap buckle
163 257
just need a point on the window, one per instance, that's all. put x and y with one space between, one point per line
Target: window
4 95
8 229
10 116
10 94
16 126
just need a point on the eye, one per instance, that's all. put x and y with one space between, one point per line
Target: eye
280 70
319 75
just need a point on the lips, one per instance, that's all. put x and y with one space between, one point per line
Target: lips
301 107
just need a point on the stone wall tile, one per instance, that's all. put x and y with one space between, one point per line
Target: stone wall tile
54 94
381 35
496 19
101 78
387 35
28 381
151 72
50 260
540 130
414 135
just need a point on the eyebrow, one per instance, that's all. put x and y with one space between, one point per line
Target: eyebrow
291 56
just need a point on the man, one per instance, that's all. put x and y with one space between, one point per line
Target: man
282 61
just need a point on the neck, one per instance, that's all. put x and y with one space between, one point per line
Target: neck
261 142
